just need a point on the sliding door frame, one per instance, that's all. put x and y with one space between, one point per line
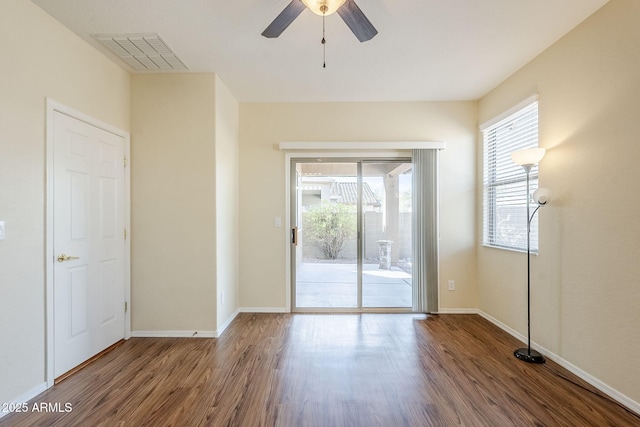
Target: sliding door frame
359 158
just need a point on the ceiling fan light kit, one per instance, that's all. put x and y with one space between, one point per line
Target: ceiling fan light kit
323 7
348 10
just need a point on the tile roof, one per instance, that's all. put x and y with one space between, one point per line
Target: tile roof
348 193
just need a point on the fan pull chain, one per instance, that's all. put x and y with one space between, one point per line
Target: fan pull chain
324 42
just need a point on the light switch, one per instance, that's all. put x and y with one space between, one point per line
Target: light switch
278 222
1 230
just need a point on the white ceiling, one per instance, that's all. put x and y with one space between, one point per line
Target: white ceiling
426 50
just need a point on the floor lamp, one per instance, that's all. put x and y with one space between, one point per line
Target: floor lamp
528 159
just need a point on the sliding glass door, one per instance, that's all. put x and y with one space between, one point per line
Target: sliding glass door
386 224
351 234
325 247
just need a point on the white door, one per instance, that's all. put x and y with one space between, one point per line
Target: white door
88 241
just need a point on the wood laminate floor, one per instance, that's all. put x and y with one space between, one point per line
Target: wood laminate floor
325 370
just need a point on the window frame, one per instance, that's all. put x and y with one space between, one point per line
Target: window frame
500 174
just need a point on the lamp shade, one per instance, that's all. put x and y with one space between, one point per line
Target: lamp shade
528 157
318 6
542 196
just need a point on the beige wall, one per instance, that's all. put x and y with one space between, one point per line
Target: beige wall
188 203
39 58
585 282
173 176
227 196
262 183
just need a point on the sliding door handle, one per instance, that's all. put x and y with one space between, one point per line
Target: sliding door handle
294 236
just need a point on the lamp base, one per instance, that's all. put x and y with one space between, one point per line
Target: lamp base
529 355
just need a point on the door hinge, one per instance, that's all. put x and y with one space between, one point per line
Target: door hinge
125 160
125 307
125 234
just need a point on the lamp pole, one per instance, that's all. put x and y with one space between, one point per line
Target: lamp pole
527 354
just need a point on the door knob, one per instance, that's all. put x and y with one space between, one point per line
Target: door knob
64 257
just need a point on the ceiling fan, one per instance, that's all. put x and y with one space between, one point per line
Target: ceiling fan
347 9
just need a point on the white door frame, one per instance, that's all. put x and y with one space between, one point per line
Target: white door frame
51 107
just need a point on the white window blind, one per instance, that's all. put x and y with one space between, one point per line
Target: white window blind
505 198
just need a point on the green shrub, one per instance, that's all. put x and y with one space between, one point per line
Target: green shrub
329 226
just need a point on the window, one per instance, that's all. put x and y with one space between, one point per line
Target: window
505 198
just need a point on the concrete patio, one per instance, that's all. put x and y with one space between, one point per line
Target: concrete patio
334 285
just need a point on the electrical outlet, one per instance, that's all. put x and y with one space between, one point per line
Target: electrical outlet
1 230
452 285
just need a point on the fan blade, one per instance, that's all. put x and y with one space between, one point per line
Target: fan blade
285 18
356 21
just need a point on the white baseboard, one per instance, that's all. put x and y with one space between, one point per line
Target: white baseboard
511 331
173 334
457 311
226 324
603 387
25 397
262 310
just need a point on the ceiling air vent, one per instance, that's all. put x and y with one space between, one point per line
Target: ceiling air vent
144 52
